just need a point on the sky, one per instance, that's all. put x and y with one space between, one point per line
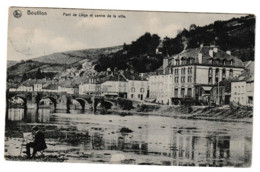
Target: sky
32 36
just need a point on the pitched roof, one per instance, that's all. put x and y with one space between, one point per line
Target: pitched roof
51 87
219 55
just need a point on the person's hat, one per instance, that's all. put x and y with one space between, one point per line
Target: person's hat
35 128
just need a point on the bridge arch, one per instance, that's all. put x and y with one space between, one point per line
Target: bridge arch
107 104
82 102
18 96
53 100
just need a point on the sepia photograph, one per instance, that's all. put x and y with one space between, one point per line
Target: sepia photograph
129 87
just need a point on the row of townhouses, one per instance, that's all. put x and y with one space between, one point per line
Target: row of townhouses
193 74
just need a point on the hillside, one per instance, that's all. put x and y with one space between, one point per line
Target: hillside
236 34
71 57
57 62
11 63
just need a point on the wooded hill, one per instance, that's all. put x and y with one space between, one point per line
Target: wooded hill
236 35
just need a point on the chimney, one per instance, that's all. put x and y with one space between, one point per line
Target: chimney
165 64
211 53
215 49
200 57
228 52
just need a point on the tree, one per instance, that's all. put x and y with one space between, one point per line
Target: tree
24 77
39 74
193 27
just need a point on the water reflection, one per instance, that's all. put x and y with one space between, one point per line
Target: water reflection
15 114
202 143
29 116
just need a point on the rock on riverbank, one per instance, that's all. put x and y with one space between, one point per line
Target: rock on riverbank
219 113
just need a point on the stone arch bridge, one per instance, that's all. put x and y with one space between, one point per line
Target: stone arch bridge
61 100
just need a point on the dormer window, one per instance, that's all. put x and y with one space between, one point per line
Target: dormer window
210 61
191 60
188 61
183 61
217 61
231 62
177 62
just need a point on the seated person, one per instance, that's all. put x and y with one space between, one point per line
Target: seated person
38 144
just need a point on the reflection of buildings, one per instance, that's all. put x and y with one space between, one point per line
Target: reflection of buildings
44 115
240 150
200 150
29 116
15 114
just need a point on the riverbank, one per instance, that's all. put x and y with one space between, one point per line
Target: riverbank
137 138
221 113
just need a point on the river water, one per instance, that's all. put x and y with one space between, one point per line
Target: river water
134 139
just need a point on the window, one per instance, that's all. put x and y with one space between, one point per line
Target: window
189 79
132 89
142 90
190 70
217 61
182 92
210 71
182 79
183 61
189 93
177 62
223 74
132 96
183 70
188 61
176 79
210 80
176 71
217 72
231 62
176 92
230 73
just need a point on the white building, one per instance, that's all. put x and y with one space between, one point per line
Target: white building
137 89
250 92
90 87
68 90
191 74
37 87
242 93
238 92
25 88
114 88
161 88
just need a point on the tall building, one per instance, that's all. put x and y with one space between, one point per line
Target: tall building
192 73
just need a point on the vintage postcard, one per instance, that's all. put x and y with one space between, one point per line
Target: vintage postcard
130 87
